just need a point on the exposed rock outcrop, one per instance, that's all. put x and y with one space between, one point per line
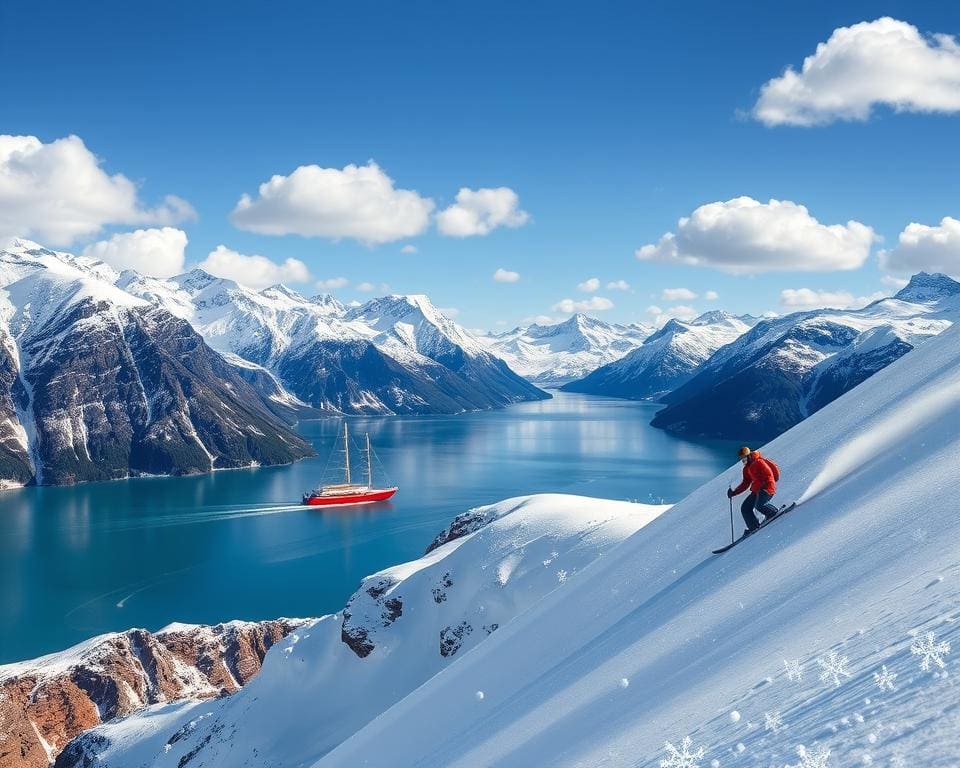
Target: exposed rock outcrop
47 702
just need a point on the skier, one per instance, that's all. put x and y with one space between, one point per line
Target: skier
760 475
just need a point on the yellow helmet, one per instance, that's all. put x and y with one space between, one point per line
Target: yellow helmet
744 452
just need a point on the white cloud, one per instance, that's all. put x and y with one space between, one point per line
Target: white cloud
744 236
770 314
506 276
539 320
358 202
807 298
680 312
408 248
618 285
354 303
253 271
886 62
589 286
480 211
58 192
678 294
333 284
368 287
711 295
895 282
925 248
154 252
593 304
450 312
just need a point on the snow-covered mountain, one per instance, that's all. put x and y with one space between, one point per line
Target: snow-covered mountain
395 354
551 355
789 367
97 384
828 639
666 360
47 702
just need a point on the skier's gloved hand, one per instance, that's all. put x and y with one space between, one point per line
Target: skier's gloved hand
729 493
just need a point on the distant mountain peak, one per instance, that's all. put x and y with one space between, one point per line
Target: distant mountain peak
713 316
925 286
281 291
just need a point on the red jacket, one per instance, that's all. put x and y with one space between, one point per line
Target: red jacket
757 475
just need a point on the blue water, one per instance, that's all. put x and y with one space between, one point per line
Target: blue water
79 561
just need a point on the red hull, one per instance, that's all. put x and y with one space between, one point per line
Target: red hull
350 498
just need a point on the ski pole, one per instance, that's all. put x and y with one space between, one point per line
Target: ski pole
730 499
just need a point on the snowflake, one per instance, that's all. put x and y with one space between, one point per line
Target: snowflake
561 575
884 679
898 761
772 721
794 670
931 651
811 760
919 535
833 667
683 757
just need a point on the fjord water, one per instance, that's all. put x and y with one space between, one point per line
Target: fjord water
79 561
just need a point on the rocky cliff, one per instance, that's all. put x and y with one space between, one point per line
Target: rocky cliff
47 702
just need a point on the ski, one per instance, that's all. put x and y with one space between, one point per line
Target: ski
783 510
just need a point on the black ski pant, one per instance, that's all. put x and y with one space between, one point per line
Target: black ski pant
759 501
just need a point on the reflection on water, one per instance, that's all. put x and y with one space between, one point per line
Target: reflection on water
79 561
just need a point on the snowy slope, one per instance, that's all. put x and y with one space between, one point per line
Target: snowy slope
403 626
659 640
666 360
550 355
855 578
787 368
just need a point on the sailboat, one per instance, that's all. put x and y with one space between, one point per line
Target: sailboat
349 492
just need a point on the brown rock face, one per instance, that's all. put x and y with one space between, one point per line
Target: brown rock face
46 703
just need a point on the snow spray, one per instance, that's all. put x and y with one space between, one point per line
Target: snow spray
906 420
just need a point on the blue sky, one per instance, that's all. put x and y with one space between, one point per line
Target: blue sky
609 121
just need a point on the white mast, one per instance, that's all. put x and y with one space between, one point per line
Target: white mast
369 464
346 450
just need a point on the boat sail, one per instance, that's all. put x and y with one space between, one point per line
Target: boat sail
349 492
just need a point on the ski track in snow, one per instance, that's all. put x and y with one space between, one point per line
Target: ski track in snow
941 402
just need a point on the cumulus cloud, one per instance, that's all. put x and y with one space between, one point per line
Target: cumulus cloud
894 282
661 316
505 276
924 248
618 285
744 236
154 252
408 248
807 298
480 211
882 62
593 304
368 287
711 295
253 271
332 284
539 320
358 202
589 286
57 192
678 294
